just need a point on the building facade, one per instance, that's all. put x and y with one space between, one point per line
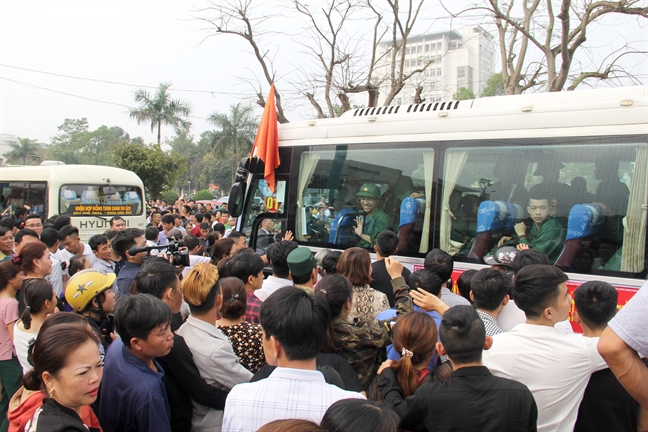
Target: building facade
454 59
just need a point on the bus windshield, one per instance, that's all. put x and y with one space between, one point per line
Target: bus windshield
100 200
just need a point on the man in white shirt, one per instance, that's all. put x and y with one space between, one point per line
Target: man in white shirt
72 245
294 326
49 238
556 367
278 256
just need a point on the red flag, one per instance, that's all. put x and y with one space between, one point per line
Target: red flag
267 140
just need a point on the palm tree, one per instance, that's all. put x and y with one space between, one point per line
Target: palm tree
25 148
238 132
160 109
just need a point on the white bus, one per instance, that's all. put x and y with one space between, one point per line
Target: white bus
89 194
458 175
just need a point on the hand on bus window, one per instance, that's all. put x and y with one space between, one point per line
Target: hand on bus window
503 240
520 229
288 236
393 267
359 225
427 301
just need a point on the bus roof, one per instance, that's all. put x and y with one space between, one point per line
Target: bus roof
82 174
611 111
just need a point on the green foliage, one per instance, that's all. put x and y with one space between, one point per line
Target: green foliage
203 194
494 86
182 144
216 171
169 196
27 150
76 144
159 109
157 169
463 94
236 137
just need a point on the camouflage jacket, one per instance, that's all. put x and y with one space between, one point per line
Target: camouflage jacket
362 342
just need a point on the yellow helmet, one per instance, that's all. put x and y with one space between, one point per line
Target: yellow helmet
86 285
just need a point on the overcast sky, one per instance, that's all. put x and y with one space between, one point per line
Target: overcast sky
143 43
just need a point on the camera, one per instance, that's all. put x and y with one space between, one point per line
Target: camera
178 257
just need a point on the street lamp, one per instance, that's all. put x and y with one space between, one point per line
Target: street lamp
189 191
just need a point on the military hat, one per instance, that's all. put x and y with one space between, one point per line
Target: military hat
504 256
301 261
86 285
369 190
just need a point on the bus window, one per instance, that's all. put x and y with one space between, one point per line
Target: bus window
583 204
98 200
30 194
382 187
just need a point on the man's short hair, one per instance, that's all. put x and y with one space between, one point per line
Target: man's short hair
155 277
137 315
244 265
124 241
297 320
151 233
199 217
536 288
386 243
205 226
96 241
33 216
186 208
62 221
24 232
489 287
596 303
168 219
7 222
49 236
155 212
440 263
219 227
235 235
462 334
116 218
329 262
191 241
428 280
278 256
110 235
529 257
20 212
68 231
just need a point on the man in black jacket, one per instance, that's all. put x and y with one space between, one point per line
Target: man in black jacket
472 399
182 379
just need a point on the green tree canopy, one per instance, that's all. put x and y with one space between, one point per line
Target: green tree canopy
76 144
203 194
169 196
24 151
159 109
182 144
463 94
157 169
494 86
236 137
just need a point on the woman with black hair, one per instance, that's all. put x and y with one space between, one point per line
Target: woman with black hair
68 368
362 342
40 301
360 415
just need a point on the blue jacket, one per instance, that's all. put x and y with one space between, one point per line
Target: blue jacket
132 396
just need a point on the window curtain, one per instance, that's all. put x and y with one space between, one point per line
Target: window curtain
428 166
634 223
454 163
307 168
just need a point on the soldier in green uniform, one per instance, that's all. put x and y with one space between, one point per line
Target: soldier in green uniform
375 220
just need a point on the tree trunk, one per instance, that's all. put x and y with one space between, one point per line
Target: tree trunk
160 135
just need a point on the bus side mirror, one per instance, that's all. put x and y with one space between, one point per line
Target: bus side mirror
109 190
235 203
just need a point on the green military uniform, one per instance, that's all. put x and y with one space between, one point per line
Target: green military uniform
362 342
548 238
377 221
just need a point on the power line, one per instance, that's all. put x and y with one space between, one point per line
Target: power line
115 82
76 96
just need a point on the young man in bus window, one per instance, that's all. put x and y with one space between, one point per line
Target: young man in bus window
375 220
547 232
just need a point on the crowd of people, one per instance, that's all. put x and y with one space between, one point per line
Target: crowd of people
114 335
